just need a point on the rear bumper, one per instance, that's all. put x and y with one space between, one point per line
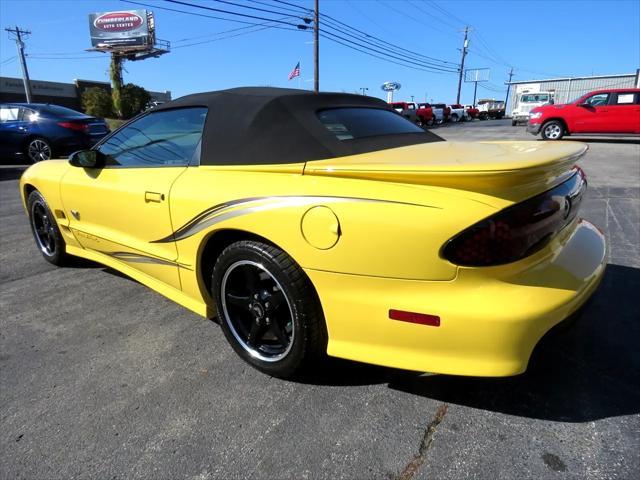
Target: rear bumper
534 128
490 318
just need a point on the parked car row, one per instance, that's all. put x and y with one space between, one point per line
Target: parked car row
39 131
429 114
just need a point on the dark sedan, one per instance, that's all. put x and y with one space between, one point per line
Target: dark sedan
38 131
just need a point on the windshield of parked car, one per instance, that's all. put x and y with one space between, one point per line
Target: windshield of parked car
353 123
60 111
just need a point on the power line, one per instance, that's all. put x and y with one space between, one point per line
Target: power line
386 59
228 12
267 24
425 66
293 5
282 8
448 13
362 13
205 15
33 57
8 60
380 40
255 29
404 14
416 5
394 52
258 9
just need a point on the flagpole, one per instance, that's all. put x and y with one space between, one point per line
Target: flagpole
300 76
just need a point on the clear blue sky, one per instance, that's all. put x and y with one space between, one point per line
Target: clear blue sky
540 39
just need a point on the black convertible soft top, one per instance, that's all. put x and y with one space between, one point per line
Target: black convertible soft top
252 125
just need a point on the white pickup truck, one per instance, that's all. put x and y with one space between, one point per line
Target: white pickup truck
525 102
459 113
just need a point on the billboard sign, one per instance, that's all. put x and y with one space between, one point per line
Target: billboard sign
127 28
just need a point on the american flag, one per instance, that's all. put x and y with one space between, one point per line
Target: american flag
295 72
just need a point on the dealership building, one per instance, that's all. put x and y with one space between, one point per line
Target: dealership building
567 89
66 94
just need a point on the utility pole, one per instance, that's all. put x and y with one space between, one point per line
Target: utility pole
465 44
316 48
363 89
16 34
508 88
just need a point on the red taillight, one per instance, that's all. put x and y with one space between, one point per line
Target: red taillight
520 230
412 317
78 127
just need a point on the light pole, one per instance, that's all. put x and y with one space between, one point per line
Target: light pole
363 89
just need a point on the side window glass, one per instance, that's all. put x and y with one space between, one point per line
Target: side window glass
598 100
9 114
624 98
28 115
165 138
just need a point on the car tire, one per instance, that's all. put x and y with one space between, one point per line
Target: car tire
45 230
514 123
38 149
268 309
552 130
454 118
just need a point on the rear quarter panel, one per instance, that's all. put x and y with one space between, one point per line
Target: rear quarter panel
385 230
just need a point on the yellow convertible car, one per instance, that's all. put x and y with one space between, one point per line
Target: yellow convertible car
314 224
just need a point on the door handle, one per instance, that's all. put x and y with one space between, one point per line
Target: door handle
153 197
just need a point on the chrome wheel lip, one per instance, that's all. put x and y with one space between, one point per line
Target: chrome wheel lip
227 318
45 233
38 150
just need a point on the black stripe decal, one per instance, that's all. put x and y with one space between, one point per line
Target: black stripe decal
227 210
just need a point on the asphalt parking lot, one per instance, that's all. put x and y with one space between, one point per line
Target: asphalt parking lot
101 377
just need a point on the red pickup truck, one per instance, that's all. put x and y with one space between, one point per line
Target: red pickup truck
611 111
421 115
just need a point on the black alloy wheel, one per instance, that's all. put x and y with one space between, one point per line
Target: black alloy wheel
38 149
267 308
45 230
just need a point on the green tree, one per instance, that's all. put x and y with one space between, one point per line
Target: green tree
134 99
96 101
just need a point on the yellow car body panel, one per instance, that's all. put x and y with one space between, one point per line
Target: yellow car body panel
367 230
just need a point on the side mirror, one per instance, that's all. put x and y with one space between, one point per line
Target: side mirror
84 159
583 105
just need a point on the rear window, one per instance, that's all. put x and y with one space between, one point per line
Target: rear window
63 111
353 123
